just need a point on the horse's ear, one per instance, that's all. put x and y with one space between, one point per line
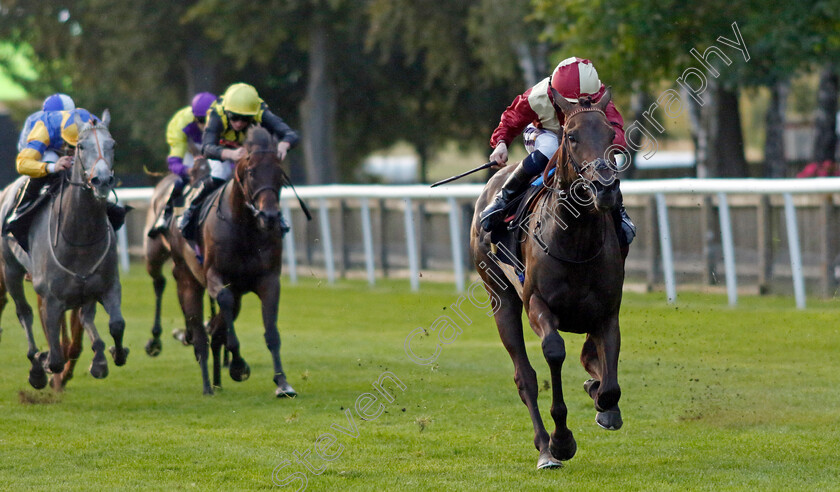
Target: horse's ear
560 102
106 118
605 99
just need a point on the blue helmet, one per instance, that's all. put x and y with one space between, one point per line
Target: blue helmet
59 102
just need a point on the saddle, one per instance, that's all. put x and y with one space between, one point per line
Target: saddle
509 237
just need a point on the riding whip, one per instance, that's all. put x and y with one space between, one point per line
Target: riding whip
453 178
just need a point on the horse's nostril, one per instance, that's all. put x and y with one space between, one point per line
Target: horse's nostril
94 181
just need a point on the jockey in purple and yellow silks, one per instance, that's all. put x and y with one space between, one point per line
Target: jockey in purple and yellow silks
228 120
49 151
183 134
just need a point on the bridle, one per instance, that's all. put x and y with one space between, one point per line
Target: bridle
251 197
566 149
86 183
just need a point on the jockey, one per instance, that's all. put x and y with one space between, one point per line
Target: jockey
183 134
228 120
533 112
55 102
49 151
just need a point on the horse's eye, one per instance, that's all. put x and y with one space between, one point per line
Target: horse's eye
80 147
571 138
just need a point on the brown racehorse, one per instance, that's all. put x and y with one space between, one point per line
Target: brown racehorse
241 240
157 249
573 275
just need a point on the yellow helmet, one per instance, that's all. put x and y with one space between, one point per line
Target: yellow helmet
241 99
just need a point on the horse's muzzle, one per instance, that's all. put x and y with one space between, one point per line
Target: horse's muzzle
268 220
102 182
606 197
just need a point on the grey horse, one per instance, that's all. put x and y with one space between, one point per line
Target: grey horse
72 258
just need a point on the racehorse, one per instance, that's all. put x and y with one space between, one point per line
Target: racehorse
158 249
241 240
72 260
573 275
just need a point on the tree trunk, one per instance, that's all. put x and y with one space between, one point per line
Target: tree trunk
698 133
825 141
318 111
774 143
724 142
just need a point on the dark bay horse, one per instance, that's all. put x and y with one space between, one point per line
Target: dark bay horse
72 260
573 275
241 240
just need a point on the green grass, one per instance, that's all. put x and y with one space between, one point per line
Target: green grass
714 398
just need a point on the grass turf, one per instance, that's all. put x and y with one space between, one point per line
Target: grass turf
713 398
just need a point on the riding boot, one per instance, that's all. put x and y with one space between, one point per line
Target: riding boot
165 217
491 217
116 214
189 221
625 228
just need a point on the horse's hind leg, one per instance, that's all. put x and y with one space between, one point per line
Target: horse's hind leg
217 341
269 294
111 302
191 297
13 275
545 324
74 349
603 388
156 256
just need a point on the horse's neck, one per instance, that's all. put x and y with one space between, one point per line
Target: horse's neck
82 216
235 198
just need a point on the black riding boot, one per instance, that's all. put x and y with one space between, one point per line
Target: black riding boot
116 214
517 182
189 221
625 228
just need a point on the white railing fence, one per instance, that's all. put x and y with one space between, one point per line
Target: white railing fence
345 212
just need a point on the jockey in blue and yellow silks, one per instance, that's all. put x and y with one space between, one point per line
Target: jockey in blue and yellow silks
49 151
183 134
228 120
55 102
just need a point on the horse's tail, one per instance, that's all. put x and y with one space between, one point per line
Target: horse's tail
153 173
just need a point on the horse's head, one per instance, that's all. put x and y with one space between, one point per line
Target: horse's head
586 150
260 177
94 159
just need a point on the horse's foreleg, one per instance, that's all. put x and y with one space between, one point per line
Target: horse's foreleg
228 308
99 365
154 346
269 294
52 312
217 341
111 302
545 324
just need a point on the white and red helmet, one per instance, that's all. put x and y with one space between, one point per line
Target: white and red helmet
574 78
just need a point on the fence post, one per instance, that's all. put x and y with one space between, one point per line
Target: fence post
455 238
367 238
326 240
665 246
728 249
827 249
795 254
411 246
651 234
383 237
289 243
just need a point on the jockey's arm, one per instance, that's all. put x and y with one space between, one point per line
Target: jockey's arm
29 160
288 138
210 147
177 140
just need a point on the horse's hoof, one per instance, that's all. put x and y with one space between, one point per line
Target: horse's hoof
563 449
285 390
208 391
37 376
153 347
119 356
589 383
99 369
610 419
547 462
239 370
181 335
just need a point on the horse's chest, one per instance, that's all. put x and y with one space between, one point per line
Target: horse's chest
247 259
